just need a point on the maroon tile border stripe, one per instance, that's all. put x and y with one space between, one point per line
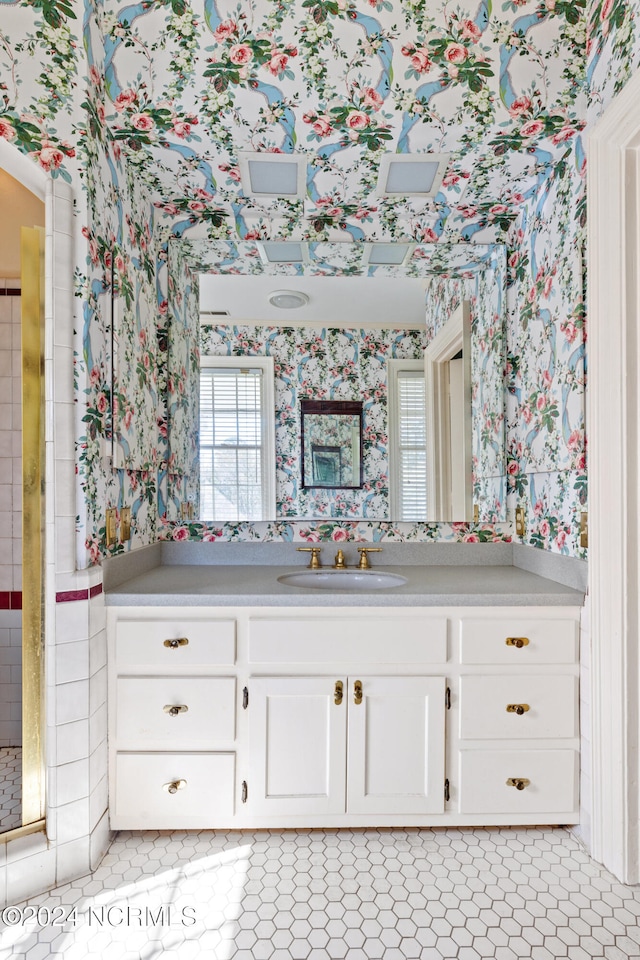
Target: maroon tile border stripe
10 291
10 600
65 596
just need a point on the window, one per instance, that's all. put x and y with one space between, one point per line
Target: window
237 439
407 440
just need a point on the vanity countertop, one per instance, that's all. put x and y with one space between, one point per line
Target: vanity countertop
429 585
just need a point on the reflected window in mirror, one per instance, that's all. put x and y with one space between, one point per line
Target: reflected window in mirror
237 445
407 440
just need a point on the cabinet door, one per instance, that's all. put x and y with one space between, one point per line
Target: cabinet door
297 744
396 746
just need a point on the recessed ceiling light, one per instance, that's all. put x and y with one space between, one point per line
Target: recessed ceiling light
416 175
277 175
389 254
283 251
288 299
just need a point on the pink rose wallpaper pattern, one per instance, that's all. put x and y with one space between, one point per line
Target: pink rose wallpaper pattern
145 109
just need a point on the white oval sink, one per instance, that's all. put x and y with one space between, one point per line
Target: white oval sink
342 579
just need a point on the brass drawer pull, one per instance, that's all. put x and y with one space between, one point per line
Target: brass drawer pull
518 782
173 709
338 692
517 642
357 691
174 785
518 708
178 642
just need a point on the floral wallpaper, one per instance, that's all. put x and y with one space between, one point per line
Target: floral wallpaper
146 109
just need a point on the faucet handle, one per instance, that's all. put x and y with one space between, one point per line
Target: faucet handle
363 563
314 562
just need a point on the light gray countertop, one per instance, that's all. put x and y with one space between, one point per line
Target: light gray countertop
429 585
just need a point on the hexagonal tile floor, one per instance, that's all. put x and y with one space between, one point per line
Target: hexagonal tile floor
326 895
10 787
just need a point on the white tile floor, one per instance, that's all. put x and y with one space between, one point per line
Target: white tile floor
431 894
10 787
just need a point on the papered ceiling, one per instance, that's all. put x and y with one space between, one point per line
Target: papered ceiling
499 86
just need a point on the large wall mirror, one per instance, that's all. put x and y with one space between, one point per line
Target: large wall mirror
412 333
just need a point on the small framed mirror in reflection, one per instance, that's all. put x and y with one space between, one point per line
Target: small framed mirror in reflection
331 443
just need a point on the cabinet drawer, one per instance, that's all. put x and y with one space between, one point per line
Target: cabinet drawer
549 641
552 703
551 790
340 640
141 716
141 644
142 800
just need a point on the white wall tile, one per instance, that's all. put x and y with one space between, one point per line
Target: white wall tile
63 374
64 429
31 874
98 727
101 837
73 860
72 621
72 701
72 741
72 661
98 618
29 846
72 782
97 651
65 490
98 763
98 801
97 690
72 820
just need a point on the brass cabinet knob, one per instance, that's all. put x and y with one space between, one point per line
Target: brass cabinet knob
518 642
518 708
357 691
518 782
173 709
338 692
174 785
177 642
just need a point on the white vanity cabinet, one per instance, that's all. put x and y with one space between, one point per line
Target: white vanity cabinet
172 723
365 745
342 716
519 716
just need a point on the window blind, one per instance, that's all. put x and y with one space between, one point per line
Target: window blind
412 440
231 444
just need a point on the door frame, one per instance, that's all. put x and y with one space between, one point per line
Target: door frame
613 305
34 321
454 336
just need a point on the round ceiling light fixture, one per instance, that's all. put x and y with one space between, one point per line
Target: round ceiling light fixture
288 299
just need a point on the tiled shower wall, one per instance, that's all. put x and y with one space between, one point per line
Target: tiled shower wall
10 516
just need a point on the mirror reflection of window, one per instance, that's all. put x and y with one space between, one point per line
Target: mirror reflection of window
407 440
236 439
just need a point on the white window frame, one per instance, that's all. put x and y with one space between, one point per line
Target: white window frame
394 368
267 422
